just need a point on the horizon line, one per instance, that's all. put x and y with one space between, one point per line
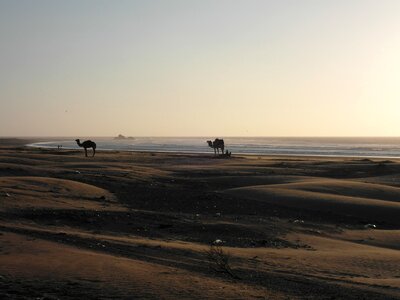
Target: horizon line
194 136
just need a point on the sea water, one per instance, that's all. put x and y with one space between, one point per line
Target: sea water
354 147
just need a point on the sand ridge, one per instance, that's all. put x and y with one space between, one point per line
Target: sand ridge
368 201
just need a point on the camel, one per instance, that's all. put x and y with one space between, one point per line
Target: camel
86 145
216 145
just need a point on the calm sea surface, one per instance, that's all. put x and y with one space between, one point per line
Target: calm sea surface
356 147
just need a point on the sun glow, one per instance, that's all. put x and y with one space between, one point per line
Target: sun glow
258 68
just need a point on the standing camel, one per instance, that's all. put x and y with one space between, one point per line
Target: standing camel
86 145
216 145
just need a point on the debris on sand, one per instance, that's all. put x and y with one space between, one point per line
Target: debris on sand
369 226
298 221
218 242
101 245
5 194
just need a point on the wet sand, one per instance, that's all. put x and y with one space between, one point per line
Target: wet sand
138 226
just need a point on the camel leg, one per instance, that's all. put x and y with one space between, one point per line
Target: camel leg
86 152
94 151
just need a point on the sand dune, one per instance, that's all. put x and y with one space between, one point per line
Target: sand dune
116 276
26 192
347 188
374 202
138 225
380 238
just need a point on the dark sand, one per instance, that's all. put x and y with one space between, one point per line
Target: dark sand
137 225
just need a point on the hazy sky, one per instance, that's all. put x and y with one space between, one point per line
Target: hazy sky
208 68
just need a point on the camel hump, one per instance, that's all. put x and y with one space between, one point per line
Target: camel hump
219 141
90 143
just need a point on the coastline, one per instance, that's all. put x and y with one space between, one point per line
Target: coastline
41 145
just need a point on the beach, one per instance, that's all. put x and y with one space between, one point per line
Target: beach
147 225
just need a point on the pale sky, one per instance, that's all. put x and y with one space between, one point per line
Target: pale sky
200 68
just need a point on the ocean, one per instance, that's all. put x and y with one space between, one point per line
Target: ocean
348 147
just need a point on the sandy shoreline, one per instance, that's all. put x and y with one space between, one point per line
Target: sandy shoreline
44 144
243 155
138 225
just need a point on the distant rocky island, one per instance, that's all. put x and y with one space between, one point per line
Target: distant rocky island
122 137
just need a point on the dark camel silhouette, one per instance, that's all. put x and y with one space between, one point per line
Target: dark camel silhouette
86 145
216 145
